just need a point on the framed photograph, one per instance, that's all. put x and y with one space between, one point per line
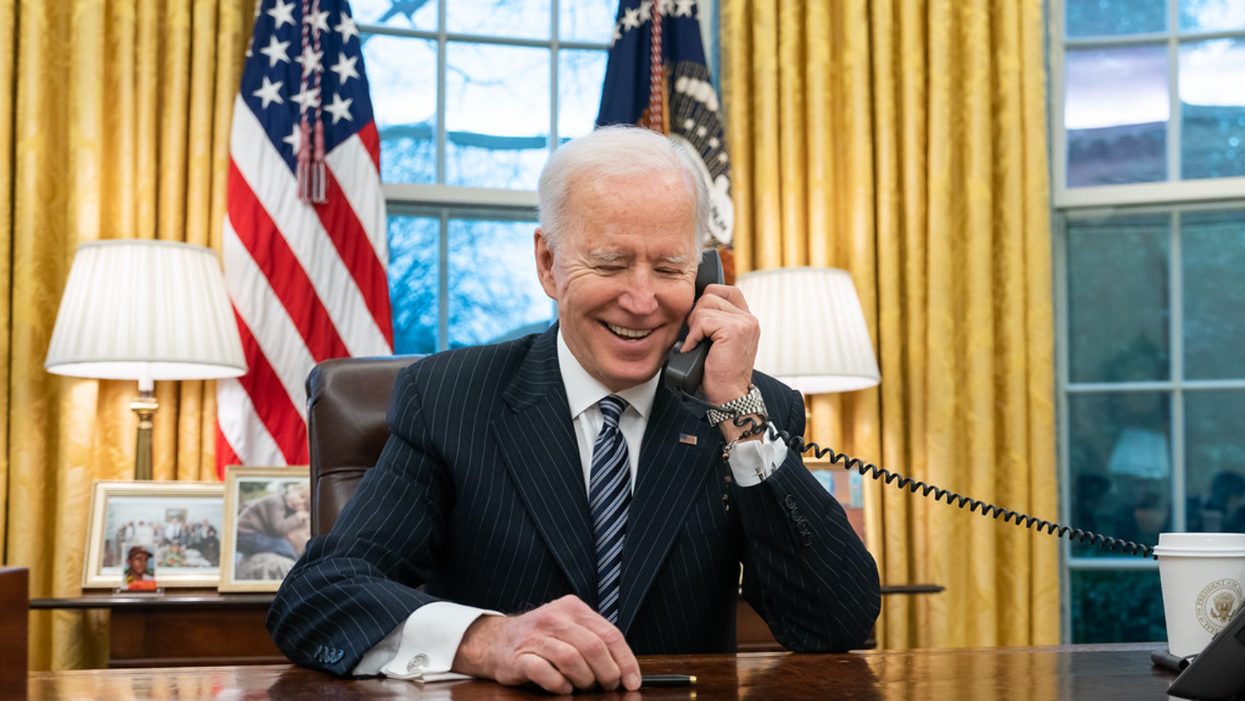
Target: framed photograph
177 524
267 525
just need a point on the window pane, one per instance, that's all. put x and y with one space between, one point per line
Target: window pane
413 288
1215 460
1115 17
497 115
1118 316
408 14
529 19
1212 15
1115 111
1117 606
587 20
581 75
1212 108
494 291
1213 258
402 74
1120 464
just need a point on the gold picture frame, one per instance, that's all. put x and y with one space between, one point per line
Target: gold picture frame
176 520
267 525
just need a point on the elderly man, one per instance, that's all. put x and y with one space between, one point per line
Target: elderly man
561 511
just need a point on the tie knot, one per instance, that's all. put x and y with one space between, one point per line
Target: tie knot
612 408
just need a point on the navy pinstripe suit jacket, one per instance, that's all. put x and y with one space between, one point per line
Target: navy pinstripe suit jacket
479 497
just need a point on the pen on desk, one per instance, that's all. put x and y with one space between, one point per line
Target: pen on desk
667 680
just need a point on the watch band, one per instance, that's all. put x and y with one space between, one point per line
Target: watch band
750 403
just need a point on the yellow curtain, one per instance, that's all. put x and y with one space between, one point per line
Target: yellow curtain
118 128
905 141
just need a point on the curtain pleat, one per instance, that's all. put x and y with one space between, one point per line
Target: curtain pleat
115 131
905 141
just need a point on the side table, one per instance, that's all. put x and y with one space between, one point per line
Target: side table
180 627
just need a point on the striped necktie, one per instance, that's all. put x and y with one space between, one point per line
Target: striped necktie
609 492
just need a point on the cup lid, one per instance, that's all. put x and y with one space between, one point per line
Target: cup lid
1202 541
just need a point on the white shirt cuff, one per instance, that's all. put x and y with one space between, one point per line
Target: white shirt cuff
422 648
752 461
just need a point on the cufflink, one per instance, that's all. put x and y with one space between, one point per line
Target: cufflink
417 664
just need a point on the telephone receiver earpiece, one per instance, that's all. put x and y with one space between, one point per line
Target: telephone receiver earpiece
684 372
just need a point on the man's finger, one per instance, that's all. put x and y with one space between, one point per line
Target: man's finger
543 674
596 653
568 659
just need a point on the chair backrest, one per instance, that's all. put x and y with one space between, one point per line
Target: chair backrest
346 430
14 600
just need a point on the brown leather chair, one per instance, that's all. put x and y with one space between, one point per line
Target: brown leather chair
346 430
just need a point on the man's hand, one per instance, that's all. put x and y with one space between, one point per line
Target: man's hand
561 646
722 316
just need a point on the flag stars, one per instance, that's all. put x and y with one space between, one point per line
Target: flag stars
683 8
319 21
276 51
722 157
714 143
344 68
311 61
295 137
688 124
646 11
281 13
346 28
307 98
340 109
701 131
632 20
270 92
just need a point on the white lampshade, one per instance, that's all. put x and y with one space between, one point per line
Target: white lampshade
145 310
813 332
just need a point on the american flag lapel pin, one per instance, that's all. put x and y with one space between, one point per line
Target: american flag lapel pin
687 439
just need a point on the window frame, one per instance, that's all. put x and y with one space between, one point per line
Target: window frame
1174 197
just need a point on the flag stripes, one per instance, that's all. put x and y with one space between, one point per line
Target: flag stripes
307 278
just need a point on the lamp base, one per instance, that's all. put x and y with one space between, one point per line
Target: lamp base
144 407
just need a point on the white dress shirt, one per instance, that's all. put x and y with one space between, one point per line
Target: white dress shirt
422 648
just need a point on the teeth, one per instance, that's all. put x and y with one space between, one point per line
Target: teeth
628 333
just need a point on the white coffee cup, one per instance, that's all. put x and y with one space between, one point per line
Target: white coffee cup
1203 581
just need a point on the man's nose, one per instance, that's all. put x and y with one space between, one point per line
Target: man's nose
640 296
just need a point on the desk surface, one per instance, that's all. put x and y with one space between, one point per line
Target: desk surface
1097 673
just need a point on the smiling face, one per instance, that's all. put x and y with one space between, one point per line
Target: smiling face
624 273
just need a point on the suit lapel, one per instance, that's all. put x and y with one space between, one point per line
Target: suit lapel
670 474
537 441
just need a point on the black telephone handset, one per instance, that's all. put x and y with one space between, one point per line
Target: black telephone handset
684 372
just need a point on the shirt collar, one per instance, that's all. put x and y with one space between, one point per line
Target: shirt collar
584 390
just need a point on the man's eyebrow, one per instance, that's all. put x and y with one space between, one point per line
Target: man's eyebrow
673 260
606 256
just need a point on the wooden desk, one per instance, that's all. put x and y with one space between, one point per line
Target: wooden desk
191 627
1095 673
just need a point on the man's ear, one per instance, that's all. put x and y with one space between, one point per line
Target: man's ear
544 265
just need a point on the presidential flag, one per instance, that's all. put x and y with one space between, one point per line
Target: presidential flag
657 77
304 236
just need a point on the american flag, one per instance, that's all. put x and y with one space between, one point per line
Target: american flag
657 77
304 237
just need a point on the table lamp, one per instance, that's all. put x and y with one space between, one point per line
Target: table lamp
145 310
813 332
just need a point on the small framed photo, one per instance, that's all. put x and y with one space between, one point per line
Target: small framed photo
267 525
166 530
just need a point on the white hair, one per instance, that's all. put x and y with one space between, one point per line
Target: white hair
614 151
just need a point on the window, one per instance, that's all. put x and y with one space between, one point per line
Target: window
470 97
1149 156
